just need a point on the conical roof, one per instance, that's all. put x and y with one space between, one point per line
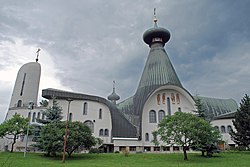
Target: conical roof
158 70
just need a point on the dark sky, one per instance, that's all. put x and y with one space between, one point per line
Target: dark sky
85 45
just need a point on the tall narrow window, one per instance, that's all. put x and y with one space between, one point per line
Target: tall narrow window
38 115
24 76
106 132
161 115
179 109
43 116
169 107
34 117
70 116
85 108
90 124
223 129
19 103
100 113
29 115
152 116
146 137
229 128
101 132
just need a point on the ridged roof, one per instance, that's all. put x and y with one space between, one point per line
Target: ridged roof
217 107
158 69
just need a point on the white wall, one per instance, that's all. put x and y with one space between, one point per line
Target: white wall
76 108
185 102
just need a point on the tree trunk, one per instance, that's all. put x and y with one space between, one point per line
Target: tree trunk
185 153
14 142
203 153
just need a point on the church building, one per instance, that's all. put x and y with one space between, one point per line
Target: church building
127 124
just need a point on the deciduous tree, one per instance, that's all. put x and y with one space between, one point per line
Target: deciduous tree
14 127
186 130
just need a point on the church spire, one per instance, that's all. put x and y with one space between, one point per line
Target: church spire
155 19
113 97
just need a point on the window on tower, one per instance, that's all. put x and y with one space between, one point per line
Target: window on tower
19 103
157 39
152 116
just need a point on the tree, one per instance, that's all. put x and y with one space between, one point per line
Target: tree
79 135
44 103
242 123
14 127
186 130
199 108
53 113
52 137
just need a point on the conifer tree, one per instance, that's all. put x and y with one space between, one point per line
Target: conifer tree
53 113
242 123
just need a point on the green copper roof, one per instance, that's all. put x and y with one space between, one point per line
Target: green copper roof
218 107
158 69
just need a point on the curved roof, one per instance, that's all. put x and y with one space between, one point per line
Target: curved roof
217 107
121 127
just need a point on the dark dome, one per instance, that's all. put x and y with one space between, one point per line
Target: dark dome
113 96
154 33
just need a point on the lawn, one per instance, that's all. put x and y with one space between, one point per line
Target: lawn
236 159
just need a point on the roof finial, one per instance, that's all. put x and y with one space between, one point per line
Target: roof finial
113 85
155 19
37 54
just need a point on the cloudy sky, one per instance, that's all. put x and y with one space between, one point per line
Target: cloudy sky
85 45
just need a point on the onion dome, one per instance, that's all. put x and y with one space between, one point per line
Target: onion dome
113 97
156 34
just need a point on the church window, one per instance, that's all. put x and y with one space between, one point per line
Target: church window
38 115
152 116
19 103
169 107
34 117
29 115
24 76
100 113
70 116
101 132
146 137
229 128
43 116
223 129
90 124
161 115
106 132
85 108
179 109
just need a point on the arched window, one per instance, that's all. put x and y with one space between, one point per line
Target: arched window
70 116
43 116
85 108
38 115
101 132
90 124
152 116
100 113
34 117
146 137
161 115
223 129
19 103
229 128
169 106
179 109
106 132
29 115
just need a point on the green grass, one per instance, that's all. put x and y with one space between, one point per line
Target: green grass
235 159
